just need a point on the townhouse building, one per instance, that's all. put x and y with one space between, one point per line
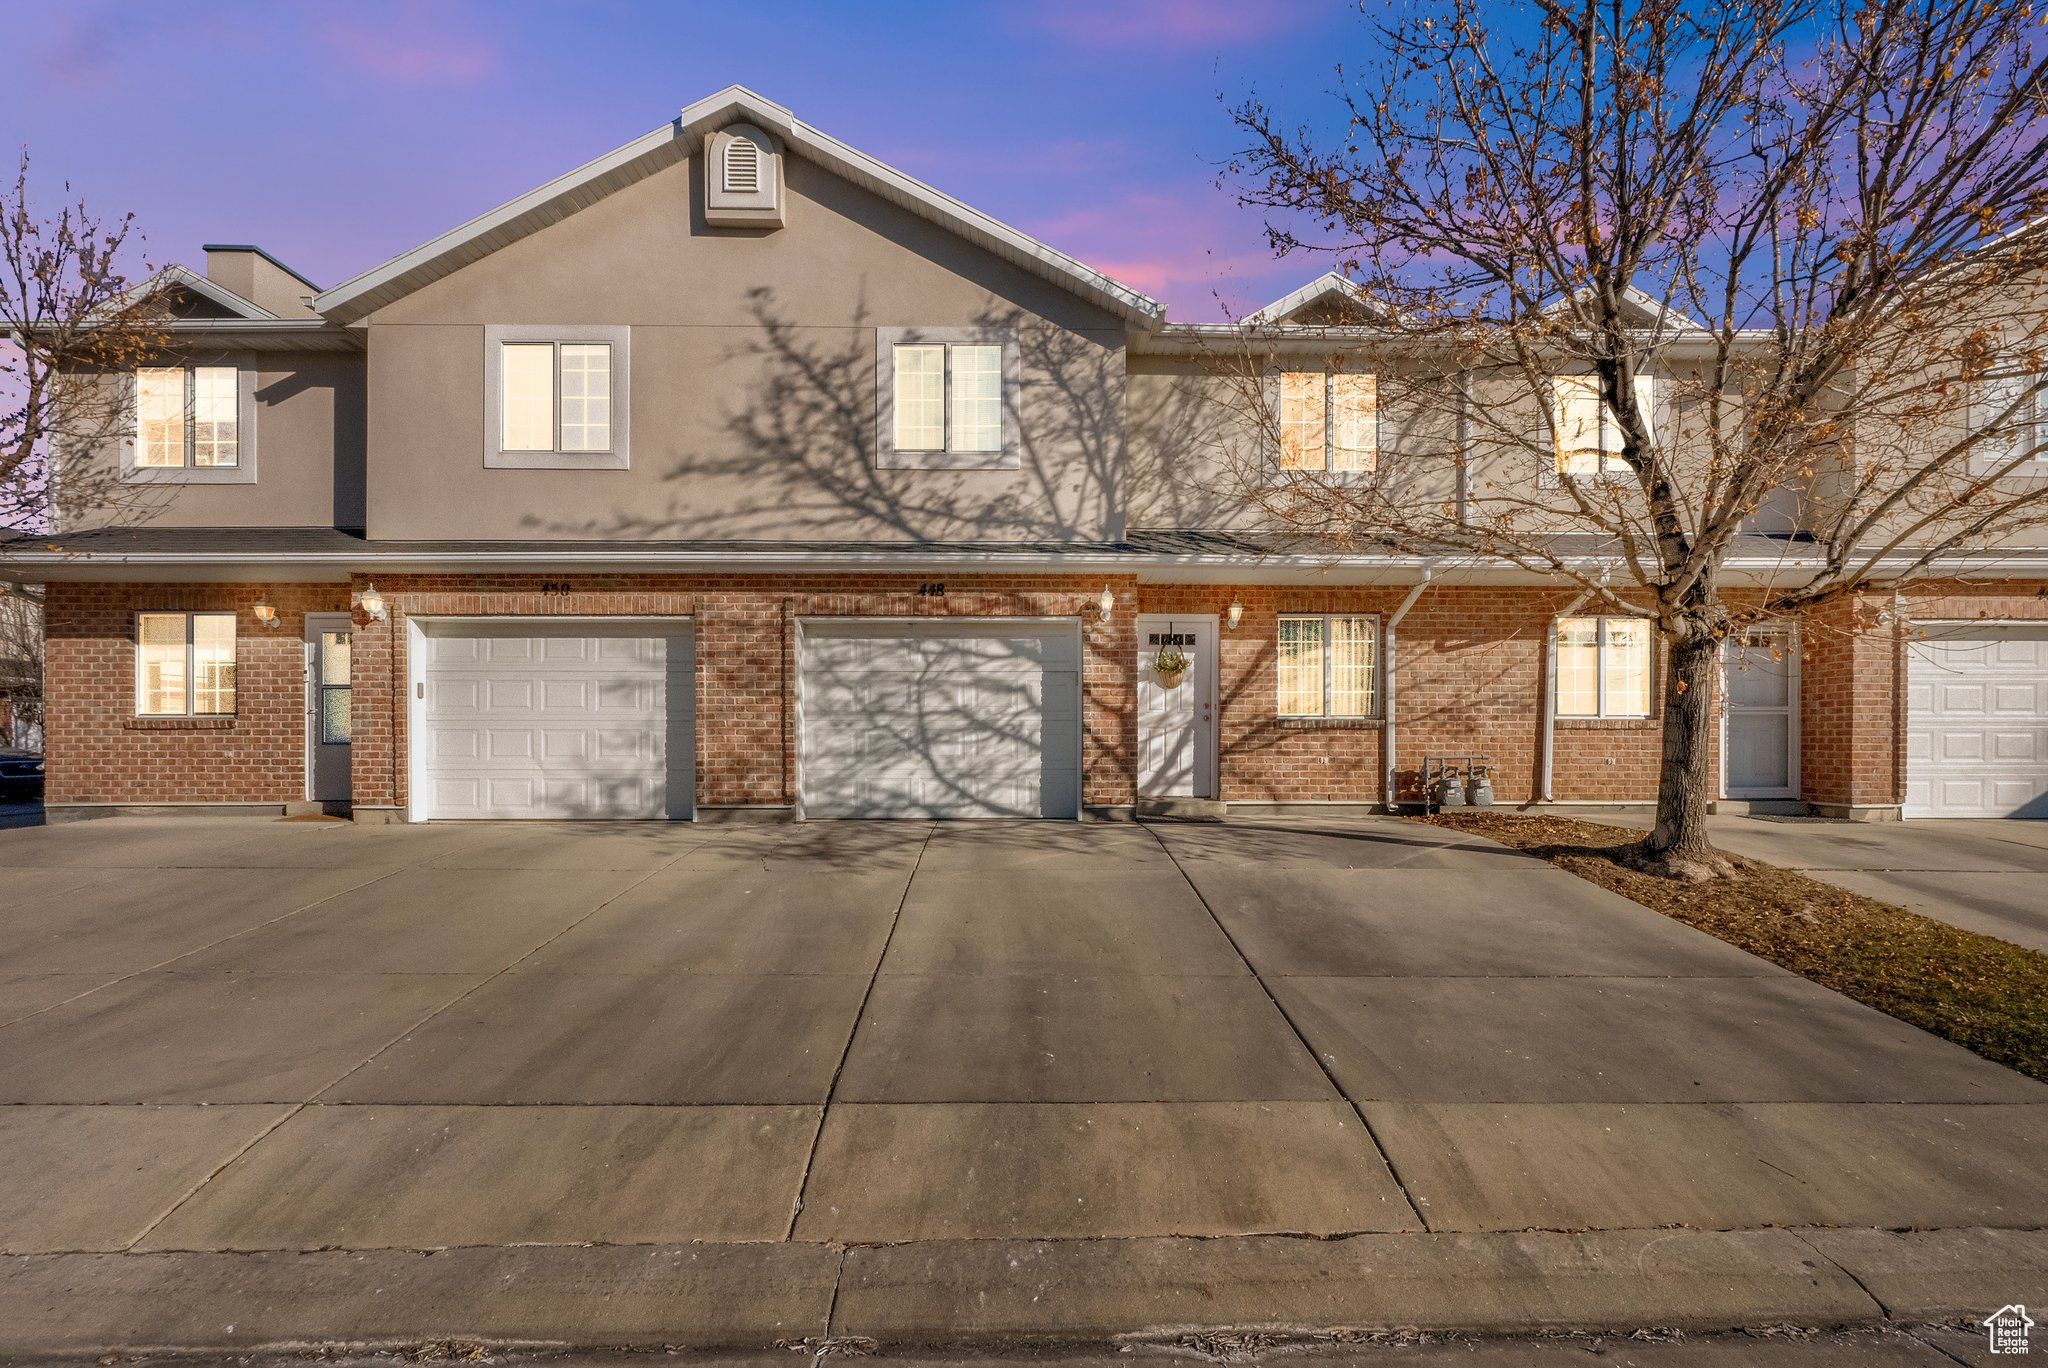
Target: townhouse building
739 473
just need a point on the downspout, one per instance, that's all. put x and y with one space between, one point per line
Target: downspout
1464 493
1549 699
1387 657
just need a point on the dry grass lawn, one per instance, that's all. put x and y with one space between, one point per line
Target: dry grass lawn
1985 994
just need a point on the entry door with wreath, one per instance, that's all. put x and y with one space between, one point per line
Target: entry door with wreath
1176 707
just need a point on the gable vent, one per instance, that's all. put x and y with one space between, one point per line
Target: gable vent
742 167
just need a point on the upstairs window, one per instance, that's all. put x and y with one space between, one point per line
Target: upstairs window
1328 665
184 664
2010 425
1603 667
1587 435
188 418
556 397
1329 421
948 398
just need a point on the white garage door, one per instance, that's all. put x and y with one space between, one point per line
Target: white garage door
941 719
1977 727
534 719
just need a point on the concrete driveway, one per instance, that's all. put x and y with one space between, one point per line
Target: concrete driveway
282 1035
1984 876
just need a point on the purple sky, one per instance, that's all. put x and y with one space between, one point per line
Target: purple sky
338 135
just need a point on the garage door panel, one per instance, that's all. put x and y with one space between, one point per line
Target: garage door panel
940 720
537 719
1977 726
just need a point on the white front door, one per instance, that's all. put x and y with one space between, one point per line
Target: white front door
568 719
1760 724
1977 720
1177 716
327 707
940 718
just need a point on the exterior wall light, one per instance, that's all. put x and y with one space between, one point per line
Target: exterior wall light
1234 614
266 614
372 603
1106 604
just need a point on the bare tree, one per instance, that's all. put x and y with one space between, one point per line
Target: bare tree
74 323
21 662
1804 226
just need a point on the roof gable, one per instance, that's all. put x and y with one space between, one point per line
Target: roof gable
1639 307
176 277
677 141
1330 300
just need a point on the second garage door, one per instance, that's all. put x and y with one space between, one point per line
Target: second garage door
537 719
1977 724
941 719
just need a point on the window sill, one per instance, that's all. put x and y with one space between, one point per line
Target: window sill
214 724
1287 476
1605 723
948 460
235 474
1292 723
557 460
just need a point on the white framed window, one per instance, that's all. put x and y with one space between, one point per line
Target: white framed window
192 424
556 398
1587 436
1329 421
2010 425
1604 666
1328 665
184 664
947 398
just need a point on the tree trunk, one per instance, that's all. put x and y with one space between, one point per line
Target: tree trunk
1679 846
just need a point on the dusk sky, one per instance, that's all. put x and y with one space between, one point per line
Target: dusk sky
340 134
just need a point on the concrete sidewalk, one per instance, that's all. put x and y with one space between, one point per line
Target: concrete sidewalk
971 1083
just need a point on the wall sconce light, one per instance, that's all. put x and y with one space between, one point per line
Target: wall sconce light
1233 614
372 603
1105 604
266 614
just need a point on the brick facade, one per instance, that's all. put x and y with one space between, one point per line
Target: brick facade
96 750
1467 676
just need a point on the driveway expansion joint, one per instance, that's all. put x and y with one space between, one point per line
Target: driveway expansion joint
1357 1109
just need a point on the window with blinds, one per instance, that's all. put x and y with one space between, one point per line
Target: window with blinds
1603 667
1328 665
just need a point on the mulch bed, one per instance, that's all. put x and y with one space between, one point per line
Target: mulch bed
1985 994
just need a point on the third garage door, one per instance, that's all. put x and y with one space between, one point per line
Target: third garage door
1977 724
941 719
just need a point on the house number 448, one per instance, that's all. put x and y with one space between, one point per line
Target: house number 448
932 589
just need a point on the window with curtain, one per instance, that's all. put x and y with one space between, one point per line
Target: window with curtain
1328 665
948 396
1588 439
555 396
184 664
188 417
1603 667
1329 421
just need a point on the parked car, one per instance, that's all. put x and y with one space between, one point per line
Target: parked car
21 777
